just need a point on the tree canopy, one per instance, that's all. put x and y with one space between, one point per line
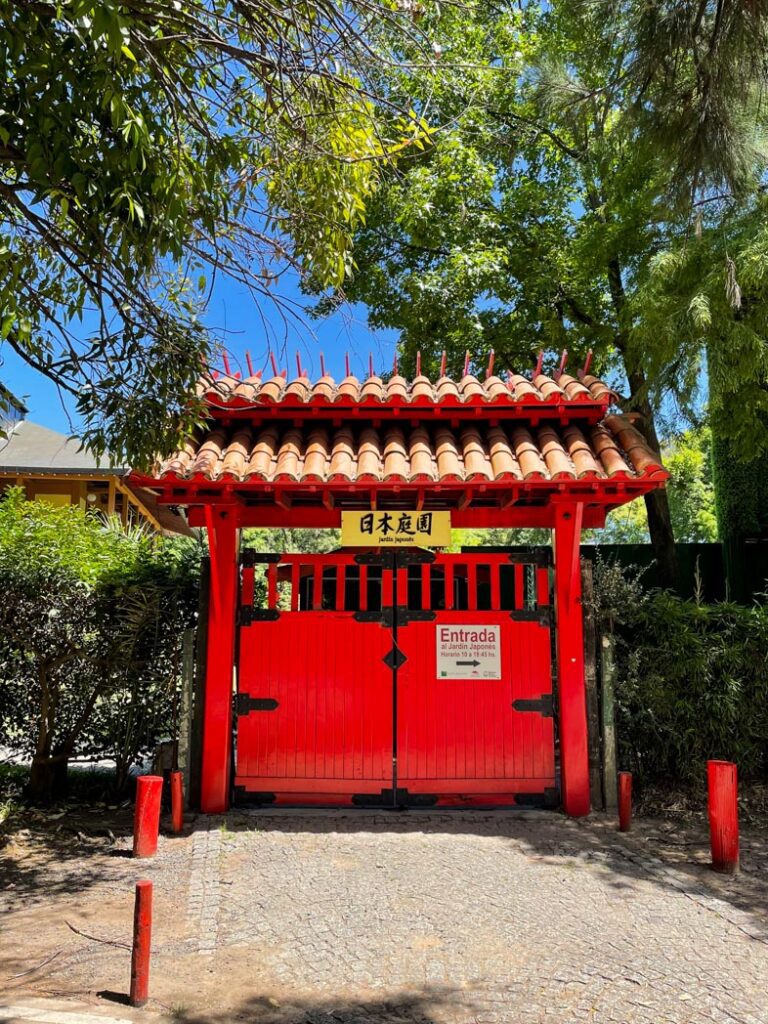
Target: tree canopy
145 149
548 212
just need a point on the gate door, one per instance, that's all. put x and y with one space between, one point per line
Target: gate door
314 703
474 706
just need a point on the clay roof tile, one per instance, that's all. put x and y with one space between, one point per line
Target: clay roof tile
421 456
580 453
272 389
372 390
557 462
532 465
316 457
263 455
476 461
369 455
447 453
289 456
342 463
348 390
237 454
395 455
503 459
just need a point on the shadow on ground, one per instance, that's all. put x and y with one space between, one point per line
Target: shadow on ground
56 853
676 858
427 1006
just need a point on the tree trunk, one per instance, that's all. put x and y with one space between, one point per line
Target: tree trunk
48 780
656 502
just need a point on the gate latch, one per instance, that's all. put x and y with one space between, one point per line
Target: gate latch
543 705
245 704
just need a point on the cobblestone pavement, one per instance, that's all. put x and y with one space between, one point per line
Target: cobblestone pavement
464 918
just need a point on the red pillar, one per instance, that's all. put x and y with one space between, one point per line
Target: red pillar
222 612
574 761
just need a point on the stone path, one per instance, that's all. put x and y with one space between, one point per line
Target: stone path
464 918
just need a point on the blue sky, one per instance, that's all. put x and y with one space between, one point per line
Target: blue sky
241 323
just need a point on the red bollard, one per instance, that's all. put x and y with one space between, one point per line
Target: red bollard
723 815
146 819
142 943
177 801
625 801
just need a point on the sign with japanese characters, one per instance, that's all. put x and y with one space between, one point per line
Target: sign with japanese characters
468 652
395 529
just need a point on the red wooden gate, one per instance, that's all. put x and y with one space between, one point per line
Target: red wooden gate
355 685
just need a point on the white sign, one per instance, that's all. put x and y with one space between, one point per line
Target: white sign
468 652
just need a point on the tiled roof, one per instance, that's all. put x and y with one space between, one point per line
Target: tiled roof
232 392
435 453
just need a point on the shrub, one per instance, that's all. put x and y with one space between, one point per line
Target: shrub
91 619
692 682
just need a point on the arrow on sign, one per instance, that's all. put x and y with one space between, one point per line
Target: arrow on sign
475 663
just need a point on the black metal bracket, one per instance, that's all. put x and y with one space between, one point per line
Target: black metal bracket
249 557
415 556
544 705
383 558
248 615
543 616
383 616
547 798
405 615
245 704
394 658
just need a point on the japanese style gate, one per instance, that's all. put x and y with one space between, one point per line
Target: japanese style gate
336 669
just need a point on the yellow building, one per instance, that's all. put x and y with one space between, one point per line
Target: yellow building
52 467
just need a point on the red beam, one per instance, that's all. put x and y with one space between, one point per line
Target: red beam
570 661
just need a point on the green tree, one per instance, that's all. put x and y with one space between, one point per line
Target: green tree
525 225
144 149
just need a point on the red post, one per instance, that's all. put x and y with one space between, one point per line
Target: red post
222 611
146 817
722 785
177 801
142 942
625 801
574 759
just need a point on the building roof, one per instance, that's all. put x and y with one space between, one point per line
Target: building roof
432 453
231 393
308 450
9 400
36 450
32 447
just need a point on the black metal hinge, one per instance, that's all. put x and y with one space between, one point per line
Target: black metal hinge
245 704
248 615
543 616
546 798
544 705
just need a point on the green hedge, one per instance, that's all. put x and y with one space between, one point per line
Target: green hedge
692 685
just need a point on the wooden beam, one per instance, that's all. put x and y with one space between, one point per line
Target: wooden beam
111 496
130 497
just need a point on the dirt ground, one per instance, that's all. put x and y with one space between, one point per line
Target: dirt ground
301 917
